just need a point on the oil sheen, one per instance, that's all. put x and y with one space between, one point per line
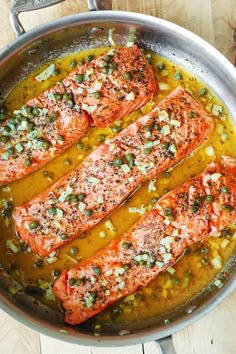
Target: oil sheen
193 272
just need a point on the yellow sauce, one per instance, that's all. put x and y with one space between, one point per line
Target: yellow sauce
191 273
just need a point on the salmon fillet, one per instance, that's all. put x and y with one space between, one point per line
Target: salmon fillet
111 172
113 85
189 213
50 123
38 133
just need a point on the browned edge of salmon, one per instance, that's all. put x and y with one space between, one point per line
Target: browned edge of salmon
199 208
81 199
48 124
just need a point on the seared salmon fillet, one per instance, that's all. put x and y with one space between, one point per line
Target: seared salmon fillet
199 208
60 116
113 85
82 198
39 132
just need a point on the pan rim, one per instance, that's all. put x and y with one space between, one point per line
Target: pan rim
133 18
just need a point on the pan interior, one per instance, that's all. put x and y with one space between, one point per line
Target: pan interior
76 34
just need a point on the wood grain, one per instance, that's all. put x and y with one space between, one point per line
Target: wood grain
224 15
215 21
16 338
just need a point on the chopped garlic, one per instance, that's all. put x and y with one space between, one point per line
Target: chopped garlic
93 180
102 234
215 176
141 210
216 109
151 186
217 262
130 96
210 151
224 243
45 74
163 86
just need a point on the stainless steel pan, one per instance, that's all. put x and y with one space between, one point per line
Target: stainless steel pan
75 33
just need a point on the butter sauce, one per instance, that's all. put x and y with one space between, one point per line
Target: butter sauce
192 272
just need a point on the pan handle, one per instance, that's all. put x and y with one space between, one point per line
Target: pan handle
19 6
95 5
166 345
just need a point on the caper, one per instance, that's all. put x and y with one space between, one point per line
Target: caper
154 200
80 63
81 197
39 263
6 129
164 145
209 198
117 162
66 97
33 224
11 150
191 114
56 273
88 212
116 129
116 310
227 208
108 58
56 72
79 78
70 103
97 270
147 151
104 69
112 65
72 281
224 190
127 75
74 198
177 76
101 138
73 251
97 94
60 138
126 267
89 58
58 96
5 139
45 145
73 63
36 111
203 91
63 236
52 211
126 245
67 162
28 162
160 66
166 174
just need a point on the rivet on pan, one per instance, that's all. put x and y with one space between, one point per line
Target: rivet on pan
123 332
32 51
191 309
96 30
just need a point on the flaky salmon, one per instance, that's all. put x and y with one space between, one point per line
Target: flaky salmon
191 212
78 201
113 85
105 89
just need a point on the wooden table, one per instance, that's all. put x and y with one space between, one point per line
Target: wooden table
213 20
